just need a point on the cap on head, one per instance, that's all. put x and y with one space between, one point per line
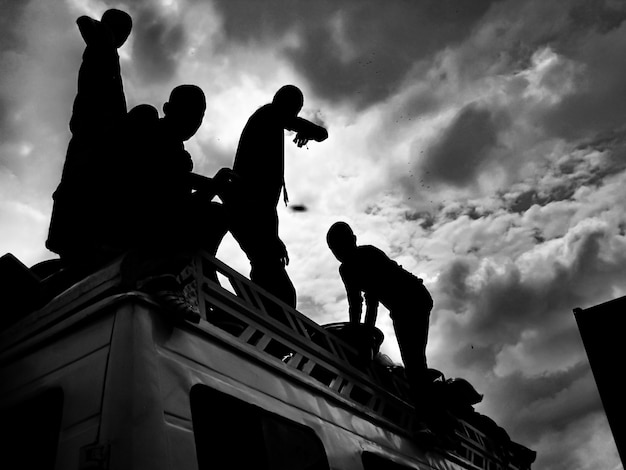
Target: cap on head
289 100
341 239
185 109
119 23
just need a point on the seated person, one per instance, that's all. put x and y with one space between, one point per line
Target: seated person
156 207
127 183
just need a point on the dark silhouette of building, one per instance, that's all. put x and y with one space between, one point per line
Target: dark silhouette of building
602 331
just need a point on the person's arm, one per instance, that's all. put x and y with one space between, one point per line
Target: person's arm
306 131
371 310
203 184
284 254
355 300
212 186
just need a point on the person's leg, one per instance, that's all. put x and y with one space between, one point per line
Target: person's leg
411 324
165 245
411 329
158 255
270 274
255 232
208 226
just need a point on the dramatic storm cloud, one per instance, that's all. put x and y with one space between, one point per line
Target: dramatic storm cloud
158 40
465 147
347 50
481 144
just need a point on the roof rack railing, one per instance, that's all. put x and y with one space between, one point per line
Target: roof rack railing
262 320
258 318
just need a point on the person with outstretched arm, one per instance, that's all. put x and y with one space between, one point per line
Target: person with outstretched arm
260 178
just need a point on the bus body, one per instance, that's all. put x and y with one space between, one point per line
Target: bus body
102 378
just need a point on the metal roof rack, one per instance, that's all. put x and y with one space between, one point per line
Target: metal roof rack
261 320
286 340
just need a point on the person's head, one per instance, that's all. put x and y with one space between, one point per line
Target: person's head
341 240
289 101
141 120
119 23
185 110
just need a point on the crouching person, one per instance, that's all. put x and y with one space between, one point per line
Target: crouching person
367 270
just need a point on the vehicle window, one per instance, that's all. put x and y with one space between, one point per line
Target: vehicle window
32 430
231 433
372 461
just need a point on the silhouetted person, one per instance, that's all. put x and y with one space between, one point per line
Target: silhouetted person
160 210
157 200
127 183
98 109
367 270
259 166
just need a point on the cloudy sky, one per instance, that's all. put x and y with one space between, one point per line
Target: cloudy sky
481 144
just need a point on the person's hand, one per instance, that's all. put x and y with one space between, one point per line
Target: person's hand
224 180
300 139
284 256
223 177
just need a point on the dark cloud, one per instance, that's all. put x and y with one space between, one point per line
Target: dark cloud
508 303
425 219
565 190
610 140
602 16
12 44
511 396
37 83
10 25
481 359
419 104
555 414
514 30
6 129
347 50
158 41
571 172
494 310
465 147
596 105
524 201
590 34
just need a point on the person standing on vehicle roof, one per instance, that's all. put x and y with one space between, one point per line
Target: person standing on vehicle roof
260 170
367 270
